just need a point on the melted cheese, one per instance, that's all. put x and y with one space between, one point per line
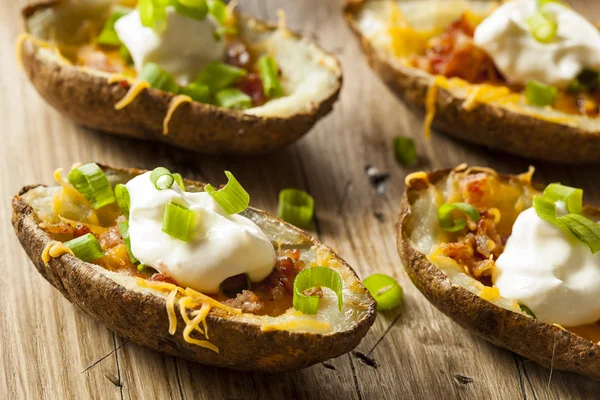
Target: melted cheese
173 104
54 249
416 175
430 101
490 293
133 92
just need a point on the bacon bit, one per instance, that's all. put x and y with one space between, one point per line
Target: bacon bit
237 54
124 84
80 230
475 189
95 58
316 291
110 238
158 277
60 228
253 87
248 301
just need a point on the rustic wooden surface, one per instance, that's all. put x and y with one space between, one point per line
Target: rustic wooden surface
49 349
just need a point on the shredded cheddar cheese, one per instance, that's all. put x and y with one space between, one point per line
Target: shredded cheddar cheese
133 92
416 175
173 105
430 102
54 249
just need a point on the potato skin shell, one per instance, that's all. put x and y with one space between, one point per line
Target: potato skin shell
486 125
538 341
89 100
142 317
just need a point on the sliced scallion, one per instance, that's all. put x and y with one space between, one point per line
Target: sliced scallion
542 27
233 98
217 75
198 92
405 150
232 198
446 216
91 182
545 209
124 228
315 277
178 222
527 310
296 207
539 94
153 13
108 36
179 181
196 9
385 290
233 285
122 196
585 229
85 247
218 10
158 78
161 178
572 197
269 75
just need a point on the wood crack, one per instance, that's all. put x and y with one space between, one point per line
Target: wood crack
355 378
98 361
117 361
178 372
520 374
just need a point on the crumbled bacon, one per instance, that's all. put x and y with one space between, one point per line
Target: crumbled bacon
237 54
253 87
248 301
80 230
110 238
60 228
96 58
158 277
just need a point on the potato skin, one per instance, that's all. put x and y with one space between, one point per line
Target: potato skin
546 344
142 317
89 100
486 125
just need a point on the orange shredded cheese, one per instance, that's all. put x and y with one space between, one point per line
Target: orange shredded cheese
416 175
173 104
133 92
95 229
54 249
490 293
430 102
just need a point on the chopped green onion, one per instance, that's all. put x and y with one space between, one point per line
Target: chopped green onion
572 197
153 13
446 217
178 222
542 27
539 94
224 30
585 229
196 9
312 277
109 36
145 269
218 10
217 75
385 290
232 198
179 181
198 92
124 228
161 178
233 285
545 209
405 150
296 207
85 247
527 310
122 196
91 182
158 78
233 98
269 75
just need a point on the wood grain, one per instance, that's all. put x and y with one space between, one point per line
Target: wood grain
51 350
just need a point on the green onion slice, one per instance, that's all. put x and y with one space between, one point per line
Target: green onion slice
539 94
233 98
572 197
124 228
158 78
122 196
198 92
179 181
233 198
527 310
197 9
217 75
161 178
269 75
233 285
446 216
153 13
545 209
178 222
91 182
312 277
108 36
586 230
405 150
296 207
542 27
385 290
85 247
218 10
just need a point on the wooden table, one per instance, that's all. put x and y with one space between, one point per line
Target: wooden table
49 349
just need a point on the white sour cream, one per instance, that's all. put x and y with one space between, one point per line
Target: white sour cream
549 271
507 39
223 245
182 49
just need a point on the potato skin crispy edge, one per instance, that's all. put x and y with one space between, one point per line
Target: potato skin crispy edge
142 317
89 100
486 125
546 344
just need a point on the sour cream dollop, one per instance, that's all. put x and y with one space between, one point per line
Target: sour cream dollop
222 245
507 39
182 49
549 271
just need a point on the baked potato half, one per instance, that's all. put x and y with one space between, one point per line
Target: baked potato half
395 36
48 50
141 306
459 278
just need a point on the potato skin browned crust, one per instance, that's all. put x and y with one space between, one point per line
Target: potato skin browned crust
486 125
547 345
89 100
142 317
